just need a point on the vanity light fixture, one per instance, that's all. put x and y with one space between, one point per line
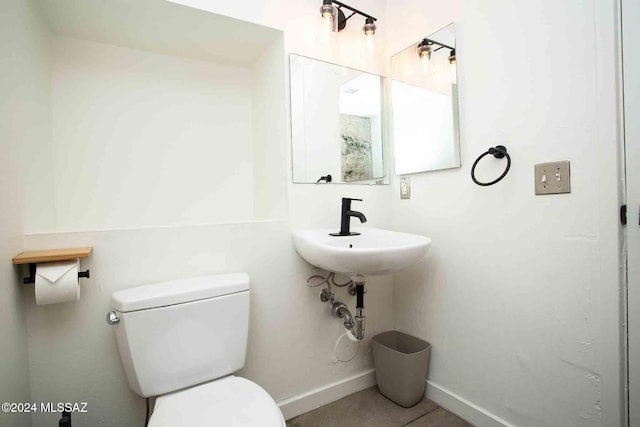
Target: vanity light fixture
424 52
452 57
369 26
427 47
452 66
329 14
336 20
369 30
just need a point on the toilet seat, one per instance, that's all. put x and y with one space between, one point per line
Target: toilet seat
227 402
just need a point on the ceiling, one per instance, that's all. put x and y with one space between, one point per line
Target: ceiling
160 26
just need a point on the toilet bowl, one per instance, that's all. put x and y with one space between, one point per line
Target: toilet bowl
181 341
230 401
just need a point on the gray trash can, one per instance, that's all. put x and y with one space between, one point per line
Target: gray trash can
401 363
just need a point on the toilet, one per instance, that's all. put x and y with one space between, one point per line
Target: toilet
182 341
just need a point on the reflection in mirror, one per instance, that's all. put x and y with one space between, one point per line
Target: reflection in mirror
424 97
336 124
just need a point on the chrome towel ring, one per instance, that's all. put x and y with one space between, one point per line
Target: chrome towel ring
498 152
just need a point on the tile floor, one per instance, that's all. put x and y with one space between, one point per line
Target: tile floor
369 408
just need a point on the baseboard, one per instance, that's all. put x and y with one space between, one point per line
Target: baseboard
297 405
463 408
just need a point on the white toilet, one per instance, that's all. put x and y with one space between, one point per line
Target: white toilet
181 341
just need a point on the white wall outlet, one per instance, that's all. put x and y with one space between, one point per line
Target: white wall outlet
553 178
405 188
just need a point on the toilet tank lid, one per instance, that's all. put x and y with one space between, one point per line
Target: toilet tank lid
178 291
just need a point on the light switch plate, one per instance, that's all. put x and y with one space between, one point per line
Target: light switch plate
405 188
553 177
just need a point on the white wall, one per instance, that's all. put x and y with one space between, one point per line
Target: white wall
519 293
270 148
24 124
141 139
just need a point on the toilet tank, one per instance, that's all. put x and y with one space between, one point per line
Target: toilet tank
181 333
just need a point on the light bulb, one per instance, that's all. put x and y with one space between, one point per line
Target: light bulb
424 52
452 66
369 30
370 44
328 22
425 58
328 16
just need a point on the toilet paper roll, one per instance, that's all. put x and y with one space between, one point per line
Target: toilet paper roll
57 282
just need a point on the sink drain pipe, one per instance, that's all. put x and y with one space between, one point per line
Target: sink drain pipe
354 326
360 317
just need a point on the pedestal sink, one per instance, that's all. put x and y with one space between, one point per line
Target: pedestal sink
373 252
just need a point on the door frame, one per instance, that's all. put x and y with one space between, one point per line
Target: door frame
611 195
630 32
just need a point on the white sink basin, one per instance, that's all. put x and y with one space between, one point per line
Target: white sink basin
373 252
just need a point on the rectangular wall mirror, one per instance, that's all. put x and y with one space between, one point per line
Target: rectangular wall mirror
424 99
337 124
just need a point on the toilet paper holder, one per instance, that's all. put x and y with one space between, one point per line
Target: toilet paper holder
32 274
32 258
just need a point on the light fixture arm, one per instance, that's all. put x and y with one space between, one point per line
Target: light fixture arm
334 9
438 43
347 18
352 9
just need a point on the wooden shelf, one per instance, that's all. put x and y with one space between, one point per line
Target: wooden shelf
51 255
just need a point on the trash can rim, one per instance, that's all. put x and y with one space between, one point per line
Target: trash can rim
401 342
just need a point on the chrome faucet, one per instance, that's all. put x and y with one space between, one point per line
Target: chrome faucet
345 219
